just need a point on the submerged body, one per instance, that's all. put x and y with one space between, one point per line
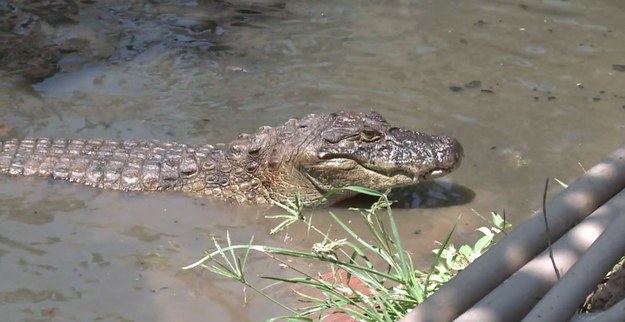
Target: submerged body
305 157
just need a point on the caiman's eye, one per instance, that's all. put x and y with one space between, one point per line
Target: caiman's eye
369 135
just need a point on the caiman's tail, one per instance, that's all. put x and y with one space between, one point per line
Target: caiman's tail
112 164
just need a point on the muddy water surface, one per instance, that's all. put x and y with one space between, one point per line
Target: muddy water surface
530 90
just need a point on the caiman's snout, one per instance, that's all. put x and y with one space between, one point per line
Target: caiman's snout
449 154
439 156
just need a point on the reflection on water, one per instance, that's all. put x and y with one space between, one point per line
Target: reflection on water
530 90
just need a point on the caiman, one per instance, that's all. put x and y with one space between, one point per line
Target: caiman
303 159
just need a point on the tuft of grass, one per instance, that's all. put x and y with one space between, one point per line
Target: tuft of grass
390 284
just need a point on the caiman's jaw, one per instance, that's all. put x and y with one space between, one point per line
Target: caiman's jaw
341 172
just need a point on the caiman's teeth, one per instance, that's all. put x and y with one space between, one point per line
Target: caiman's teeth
436 172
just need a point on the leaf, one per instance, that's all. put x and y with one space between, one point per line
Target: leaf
466 251
485 231
481 244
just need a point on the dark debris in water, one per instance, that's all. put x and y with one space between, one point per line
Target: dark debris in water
455 89
473 84
617 67
249 12
480 23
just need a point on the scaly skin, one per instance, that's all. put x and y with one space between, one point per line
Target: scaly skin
306 157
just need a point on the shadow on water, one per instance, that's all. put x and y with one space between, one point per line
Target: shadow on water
426 195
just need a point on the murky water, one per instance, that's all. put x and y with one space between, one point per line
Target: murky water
530 90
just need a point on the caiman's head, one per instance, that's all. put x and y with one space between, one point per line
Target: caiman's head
321 152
